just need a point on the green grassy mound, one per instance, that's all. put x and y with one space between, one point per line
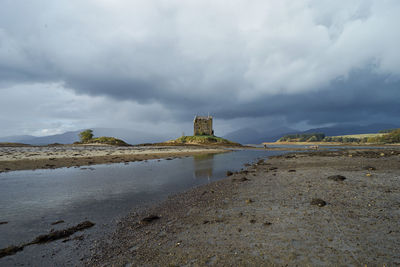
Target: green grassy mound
203 140
106 141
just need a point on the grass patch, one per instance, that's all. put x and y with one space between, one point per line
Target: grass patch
360 136
105 140
203 140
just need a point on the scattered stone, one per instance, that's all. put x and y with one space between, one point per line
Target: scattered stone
57 222
149 219
337 178
79 237
253 221
369 168
318 202
229 173
206 221
267 223
261 161
272 168
291 170
249 200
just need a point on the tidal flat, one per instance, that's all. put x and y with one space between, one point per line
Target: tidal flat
51 157
271 214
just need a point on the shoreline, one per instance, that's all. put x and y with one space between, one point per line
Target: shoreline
331 144
265 216
51 157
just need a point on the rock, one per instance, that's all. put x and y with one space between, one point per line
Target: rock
272 168
291 170
149 219
57 222
337 178
229 173
369 168
243 179
3 223
61 233
11 250
318 202
53 235
252 221
249 200
267 223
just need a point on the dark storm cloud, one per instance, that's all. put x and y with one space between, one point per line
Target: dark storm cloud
364 97
307 60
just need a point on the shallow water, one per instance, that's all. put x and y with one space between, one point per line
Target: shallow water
31 200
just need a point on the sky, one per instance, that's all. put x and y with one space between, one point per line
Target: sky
152 65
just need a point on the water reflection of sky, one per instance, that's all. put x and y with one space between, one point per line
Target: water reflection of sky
203 166
31 200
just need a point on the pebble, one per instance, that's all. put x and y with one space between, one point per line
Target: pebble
337 178
318 202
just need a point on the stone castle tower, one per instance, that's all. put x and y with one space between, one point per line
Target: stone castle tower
203 125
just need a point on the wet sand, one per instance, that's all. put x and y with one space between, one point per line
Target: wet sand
290 210
50 157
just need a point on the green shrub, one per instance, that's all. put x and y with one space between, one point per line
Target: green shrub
86 135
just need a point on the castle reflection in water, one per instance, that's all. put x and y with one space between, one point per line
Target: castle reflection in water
203 166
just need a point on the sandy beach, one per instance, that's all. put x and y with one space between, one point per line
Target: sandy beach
306 209
50 157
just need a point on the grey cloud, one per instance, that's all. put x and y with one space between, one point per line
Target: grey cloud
306 60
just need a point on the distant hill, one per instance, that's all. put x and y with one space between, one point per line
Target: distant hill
16 138
130 136
253 136
347 129
337 131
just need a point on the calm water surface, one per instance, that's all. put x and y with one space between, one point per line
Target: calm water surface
31 200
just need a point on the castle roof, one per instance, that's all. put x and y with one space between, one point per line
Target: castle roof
203 117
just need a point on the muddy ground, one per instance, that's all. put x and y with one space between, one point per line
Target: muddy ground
272 214
51 157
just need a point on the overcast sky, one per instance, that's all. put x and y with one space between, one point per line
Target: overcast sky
152 65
